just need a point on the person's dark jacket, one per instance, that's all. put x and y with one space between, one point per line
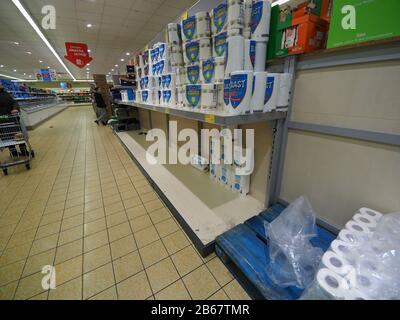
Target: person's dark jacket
98 98
7 103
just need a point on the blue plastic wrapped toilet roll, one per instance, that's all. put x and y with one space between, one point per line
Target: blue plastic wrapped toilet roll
193 95
249 55
241 88
260 20
272 92
234 60
260 85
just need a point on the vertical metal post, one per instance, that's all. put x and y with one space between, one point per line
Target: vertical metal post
280 133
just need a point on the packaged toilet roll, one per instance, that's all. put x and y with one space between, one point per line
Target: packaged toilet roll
219 44
227 94
168 81
176 54
181 78
208 70
234 54
220 96
357 227
369 222
219 69
152 82
145 96
174 33
241 88
219 18
331 284
249 55
371 213
193 73
285 85
272 92
163 52
191 52
335 263
248 5
189 30
234 32
225 174
208 96
154 55
235 14
205 48
215 170
180 96
260 86
169 98
193 96
261 56
343 249
203 24
351 237
241 183
260 20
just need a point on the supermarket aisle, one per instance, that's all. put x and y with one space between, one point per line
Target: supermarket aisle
86 209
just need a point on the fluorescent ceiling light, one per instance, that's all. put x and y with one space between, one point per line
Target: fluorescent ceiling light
2 66
28 52
8 77
18 4
89 25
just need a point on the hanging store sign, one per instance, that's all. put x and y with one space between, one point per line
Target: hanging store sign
77 53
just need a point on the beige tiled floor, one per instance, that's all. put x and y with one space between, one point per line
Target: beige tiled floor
86 209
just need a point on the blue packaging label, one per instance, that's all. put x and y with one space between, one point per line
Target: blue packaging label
220 44
227 91
154 69
167 96
270 89
141 84
238 89
145 96
220 15
193 94
167 81
189 27
193 74
161 51
145 82
163 82
253 52
208 69
152 55
236 185
146 70
224 177
192 51
256 15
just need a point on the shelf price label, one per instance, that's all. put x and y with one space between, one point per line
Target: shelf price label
184 15
209 118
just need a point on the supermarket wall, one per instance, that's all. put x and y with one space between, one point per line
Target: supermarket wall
51 85
339 175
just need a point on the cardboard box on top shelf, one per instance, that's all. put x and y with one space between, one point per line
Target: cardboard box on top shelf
358 21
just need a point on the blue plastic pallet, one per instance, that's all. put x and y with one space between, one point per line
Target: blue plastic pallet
244 250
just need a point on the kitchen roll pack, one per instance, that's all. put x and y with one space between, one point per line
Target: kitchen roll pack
260 56
202 25
219 44
208 96
208 71
193 73
260 86
248 5
174 33
235 14
189 29
219 69
260 20
193 96
191 51
234 55
249 55
219 18
205 48
272 92
241 87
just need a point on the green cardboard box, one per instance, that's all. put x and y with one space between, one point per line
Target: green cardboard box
357 21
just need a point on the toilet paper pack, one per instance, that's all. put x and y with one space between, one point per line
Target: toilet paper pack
241 87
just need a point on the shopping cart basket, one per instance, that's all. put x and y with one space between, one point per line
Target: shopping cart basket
13 135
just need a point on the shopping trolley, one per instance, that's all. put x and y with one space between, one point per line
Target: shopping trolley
13 135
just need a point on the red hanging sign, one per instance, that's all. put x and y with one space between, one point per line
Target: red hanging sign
77 53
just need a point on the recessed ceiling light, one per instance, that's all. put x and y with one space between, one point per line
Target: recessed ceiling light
88 69
15 70
48 67
89 50
30 76
128 54
16 43
2 66
24 74
112 69
40 61
89 25
122 60
116 66
28 52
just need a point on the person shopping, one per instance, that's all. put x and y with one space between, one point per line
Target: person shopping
101 107
9 106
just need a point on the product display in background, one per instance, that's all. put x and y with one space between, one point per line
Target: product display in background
359 21
363 263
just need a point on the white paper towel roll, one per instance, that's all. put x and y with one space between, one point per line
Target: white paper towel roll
227 94
241 88
219 44
272 92
181 91
189 30
261 56
208 70
285 86
371 213
357 227
176 55
203 24
260 84
234 54
260 20
335 263
332 284
219 69
205 48
219 18
174 33
235 14
366 220
249 55
193 96
208 96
